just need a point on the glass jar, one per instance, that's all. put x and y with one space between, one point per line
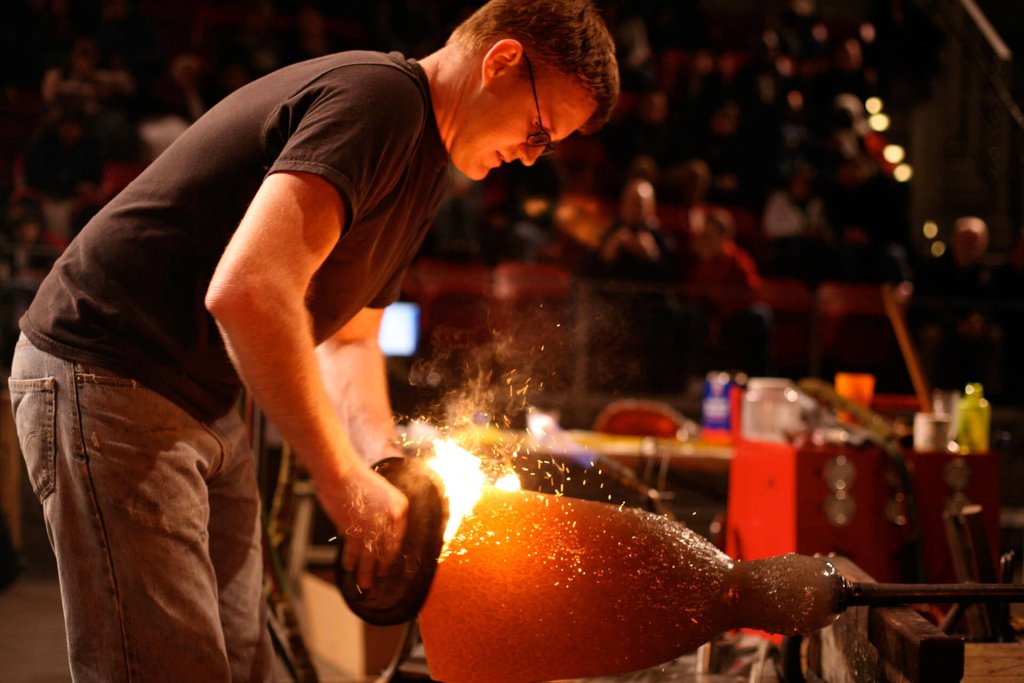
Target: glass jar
771 410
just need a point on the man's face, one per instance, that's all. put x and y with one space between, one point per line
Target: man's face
637 204
502 113
970 241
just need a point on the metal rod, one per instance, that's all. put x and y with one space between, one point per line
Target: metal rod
878 594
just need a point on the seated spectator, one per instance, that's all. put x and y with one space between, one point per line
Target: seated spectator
28 252
802 29
960 340
127 40
725 147
845 76
81 84
725 280
643 129
686 188
175 101
1009 277
1008 286
310 38
636 248
63 164
635 317
796 228
30 248
101 94
868 212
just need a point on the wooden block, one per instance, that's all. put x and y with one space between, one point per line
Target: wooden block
914 646
885 645
994 662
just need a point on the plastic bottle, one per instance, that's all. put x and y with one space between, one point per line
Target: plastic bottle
536 587
771 410
974 420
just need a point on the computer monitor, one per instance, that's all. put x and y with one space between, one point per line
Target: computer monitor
400 329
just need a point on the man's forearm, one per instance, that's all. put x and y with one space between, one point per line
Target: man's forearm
354 375
258 296
272 348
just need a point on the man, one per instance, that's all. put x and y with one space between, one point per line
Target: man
727 280
286 215
635 248
960 340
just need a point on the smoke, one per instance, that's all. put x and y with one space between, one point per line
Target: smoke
492 373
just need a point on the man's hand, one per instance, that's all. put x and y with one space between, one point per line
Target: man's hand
371 514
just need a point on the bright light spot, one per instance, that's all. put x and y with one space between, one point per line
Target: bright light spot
930 229
534 207
873 105
938 248
878 122
894 154
509 482
867 33
903 173
464 481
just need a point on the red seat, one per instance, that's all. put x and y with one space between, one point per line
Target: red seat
632 417
455 304
116 176
792 306
749 234
516 281
854 331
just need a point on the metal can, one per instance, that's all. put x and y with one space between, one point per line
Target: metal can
717 414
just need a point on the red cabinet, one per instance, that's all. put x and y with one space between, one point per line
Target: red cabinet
848 501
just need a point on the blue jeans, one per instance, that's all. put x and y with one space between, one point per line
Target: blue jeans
154 520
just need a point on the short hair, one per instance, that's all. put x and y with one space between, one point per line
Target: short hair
721 220
971 224
568 36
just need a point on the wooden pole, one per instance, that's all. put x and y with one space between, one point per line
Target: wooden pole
907 348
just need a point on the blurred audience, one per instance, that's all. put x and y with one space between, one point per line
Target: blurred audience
739 151
636 248
64 167
795 223
726 147
1008 285
867 209
725 280
959 336
27 252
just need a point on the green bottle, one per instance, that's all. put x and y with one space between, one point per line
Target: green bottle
974 421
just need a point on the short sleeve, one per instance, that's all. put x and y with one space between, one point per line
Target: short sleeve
356 126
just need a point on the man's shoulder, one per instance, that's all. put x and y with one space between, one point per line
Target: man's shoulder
376 65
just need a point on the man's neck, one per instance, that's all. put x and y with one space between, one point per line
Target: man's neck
449 74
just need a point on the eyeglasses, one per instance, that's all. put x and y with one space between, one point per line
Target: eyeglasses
541 138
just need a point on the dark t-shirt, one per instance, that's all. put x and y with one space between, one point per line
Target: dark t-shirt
128 294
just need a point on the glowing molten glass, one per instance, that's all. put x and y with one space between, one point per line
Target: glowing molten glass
536 587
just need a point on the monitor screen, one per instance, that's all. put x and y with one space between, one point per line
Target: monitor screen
400 329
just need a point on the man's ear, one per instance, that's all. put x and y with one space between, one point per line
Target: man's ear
501 60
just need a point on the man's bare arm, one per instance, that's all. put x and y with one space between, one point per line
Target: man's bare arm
352 366
257 295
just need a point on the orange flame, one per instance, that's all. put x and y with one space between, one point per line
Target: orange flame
464 481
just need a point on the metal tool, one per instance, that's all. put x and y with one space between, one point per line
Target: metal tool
881 594
397 596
